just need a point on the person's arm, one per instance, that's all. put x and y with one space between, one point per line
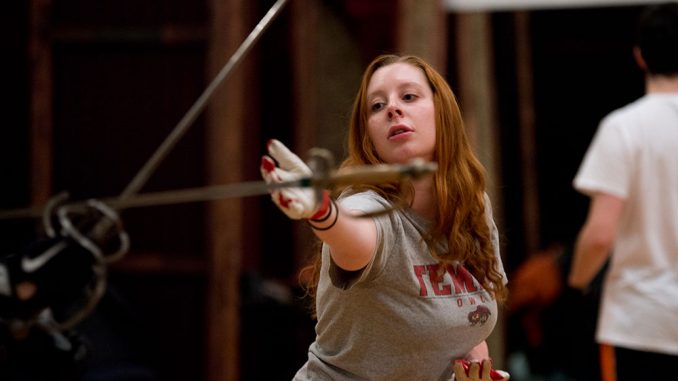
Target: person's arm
352 241
596 239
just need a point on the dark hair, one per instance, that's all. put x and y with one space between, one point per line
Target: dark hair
657 38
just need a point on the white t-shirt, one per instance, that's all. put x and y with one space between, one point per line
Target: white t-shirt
634 156
397 320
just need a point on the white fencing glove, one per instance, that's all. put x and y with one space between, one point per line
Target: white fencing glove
465 370
296 203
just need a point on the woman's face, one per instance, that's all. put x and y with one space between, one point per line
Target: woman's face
401 115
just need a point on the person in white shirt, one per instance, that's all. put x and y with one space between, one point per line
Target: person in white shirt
630 172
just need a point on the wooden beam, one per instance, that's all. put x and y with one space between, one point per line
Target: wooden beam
40 53
477 93
422 31
526 128
224 150
304 25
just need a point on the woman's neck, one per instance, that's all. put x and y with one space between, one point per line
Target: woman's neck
424 198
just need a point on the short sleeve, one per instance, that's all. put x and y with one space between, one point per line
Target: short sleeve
607 164
366 202
494 234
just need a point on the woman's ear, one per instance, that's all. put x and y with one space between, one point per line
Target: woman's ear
640 61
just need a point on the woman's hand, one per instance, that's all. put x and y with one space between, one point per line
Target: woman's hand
296 203
465 370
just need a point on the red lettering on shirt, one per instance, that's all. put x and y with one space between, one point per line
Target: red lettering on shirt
462 279
419 271
437 279
439 285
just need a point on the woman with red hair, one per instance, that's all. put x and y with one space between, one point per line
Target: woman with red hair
400 295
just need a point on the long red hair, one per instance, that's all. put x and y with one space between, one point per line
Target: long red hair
459 182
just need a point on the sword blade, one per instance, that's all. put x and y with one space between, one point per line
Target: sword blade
211 193
368 174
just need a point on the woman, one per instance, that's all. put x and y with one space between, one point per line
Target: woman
401 295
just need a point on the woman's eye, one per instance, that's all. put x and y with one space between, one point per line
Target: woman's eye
409 97
377 106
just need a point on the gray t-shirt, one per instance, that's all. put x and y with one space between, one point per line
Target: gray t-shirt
398 319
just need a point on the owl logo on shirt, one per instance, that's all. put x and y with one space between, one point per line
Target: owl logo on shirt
479 315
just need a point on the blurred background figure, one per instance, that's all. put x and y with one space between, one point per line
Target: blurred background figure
631 174
553 323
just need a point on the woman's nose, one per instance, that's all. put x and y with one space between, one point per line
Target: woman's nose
394 110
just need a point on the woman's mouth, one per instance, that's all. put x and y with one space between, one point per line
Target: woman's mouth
398 131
